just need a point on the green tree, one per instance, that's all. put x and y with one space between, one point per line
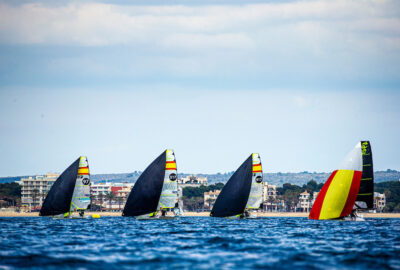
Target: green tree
100 197
110 197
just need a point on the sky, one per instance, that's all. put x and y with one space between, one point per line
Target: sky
300 82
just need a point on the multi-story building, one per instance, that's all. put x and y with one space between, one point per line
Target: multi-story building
100 188
120 191
210 197
35 188
379 201
192 181
304 202
270 202
268 191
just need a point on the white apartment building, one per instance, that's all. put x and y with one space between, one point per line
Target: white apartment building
379 201
35 188
192 181
210 197
304 202
268 191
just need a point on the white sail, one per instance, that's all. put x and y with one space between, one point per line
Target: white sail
256 191
169 193
81 195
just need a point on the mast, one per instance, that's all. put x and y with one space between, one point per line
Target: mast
169 193
235 194
58 200
145 194
256 191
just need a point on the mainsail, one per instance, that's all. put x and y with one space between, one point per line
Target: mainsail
337 197
365 197
169 193
81 196
256 191
58 200
234 196
155 189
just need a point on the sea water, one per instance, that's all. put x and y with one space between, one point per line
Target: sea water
199 242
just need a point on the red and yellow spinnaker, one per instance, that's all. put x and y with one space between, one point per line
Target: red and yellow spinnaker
338 195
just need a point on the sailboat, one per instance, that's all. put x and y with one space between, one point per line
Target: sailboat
70 193
348 189
243 193
156 190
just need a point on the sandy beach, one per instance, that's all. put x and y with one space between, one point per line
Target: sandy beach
201 214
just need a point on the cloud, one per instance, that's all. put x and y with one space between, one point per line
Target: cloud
214 26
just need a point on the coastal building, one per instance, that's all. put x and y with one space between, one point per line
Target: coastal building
117 202
34 190
269 191
192 181
210 197
304 204
379 201
270 202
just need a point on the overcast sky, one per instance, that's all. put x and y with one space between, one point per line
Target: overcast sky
300 82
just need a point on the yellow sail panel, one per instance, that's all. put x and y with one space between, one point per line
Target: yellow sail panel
336 195
82 171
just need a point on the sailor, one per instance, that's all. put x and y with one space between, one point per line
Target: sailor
81 213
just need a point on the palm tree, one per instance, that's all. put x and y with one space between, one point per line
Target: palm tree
100 197
43 195
35 194
110 197
119 200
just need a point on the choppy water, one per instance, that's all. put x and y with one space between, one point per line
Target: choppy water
117 243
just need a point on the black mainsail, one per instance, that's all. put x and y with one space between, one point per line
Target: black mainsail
365 196
146 192
234 195
58 200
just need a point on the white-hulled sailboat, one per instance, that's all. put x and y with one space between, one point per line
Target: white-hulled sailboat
242 195
70 193
156 191
348 189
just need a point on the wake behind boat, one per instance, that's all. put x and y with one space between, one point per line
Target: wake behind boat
156 191
348 189
242 194
70 193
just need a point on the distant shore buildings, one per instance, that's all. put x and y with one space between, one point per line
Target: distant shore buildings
34 190
112 196
210 197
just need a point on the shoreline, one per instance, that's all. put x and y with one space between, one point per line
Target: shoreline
202 214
